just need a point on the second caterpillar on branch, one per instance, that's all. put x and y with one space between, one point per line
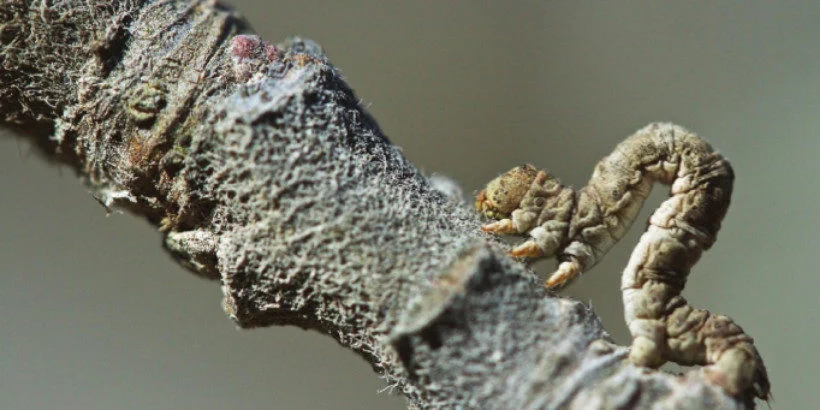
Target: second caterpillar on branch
580 226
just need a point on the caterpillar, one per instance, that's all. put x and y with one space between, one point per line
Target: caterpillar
579 226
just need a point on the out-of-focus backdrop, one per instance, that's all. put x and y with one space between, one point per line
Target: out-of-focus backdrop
97 316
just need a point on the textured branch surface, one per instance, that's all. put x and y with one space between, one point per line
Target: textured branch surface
263 171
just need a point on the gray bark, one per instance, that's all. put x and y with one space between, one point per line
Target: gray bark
263 171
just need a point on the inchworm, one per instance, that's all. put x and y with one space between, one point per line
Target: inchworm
580 226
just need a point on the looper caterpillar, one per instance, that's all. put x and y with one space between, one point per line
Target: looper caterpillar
580 226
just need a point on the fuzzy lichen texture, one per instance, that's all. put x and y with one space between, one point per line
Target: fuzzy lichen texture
320 221
263 171
47 33
313 205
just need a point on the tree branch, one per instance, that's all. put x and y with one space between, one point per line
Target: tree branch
262 170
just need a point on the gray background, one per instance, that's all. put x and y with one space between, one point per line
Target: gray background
96 316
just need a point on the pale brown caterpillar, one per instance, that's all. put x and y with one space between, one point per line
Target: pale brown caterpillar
580 226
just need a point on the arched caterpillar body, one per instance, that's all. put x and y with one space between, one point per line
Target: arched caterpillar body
580 226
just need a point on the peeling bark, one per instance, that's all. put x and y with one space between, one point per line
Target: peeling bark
262 170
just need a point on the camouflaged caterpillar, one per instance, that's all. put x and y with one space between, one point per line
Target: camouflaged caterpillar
580 226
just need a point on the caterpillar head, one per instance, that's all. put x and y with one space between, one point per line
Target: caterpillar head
504 194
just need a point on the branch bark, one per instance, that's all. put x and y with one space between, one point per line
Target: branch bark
262 170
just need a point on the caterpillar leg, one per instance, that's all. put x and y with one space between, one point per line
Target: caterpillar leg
566 272
502 227
528 249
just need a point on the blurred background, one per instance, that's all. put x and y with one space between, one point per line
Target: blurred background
97 316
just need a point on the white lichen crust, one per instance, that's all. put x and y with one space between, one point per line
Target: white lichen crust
579 227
